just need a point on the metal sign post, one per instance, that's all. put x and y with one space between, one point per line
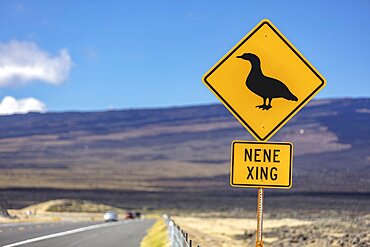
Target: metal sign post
261 165
259 241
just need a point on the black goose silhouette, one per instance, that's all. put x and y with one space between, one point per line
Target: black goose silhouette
263 86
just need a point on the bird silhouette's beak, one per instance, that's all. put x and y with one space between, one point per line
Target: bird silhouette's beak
239 56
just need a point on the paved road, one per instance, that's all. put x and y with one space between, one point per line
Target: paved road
90 234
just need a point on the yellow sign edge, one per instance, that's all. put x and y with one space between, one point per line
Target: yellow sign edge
295 111
262 186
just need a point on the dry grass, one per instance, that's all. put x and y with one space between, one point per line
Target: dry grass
157 235
282 229
61 210
224 232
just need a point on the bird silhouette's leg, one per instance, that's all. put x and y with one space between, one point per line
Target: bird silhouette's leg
269 105
264 106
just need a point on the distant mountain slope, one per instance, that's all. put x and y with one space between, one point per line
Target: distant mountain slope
182 148
326 111
104 122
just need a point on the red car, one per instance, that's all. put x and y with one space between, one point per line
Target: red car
129 215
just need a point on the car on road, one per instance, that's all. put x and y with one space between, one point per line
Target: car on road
137 215
110 216
129 215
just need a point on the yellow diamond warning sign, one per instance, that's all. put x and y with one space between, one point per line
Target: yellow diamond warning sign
264 80
260 164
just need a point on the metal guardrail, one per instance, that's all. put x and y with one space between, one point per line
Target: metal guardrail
178 237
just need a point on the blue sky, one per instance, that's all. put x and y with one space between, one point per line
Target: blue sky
134 54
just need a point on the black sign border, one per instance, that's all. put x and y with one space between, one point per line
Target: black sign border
289 115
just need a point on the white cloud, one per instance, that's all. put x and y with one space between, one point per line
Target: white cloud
25 61
10 105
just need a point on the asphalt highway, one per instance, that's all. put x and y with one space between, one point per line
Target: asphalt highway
89 234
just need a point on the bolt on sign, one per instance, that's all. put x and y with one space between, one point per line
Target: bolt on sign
261 164
264 80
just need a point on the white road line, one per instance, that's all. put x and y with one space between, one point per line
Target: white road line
60 234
